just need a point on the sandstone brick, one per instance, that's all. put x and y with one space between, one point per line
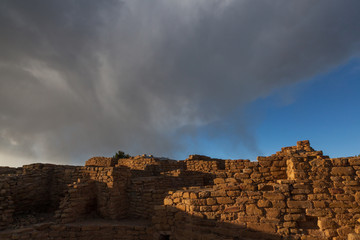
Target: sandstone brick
344 231
262 203
272 212
193 195
319 204
278 204
224 200
353 236
340 171
167 201
232 209
211 201
263 227
274 196
299 204
219 180
326 223
252 209
354 161
294 217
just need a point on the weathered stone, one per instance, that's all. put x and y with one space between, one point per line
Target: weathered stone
326 223
262 203
263 227
353 236
224 200
341 171
287 195
211 201
272 212
252 209
274 196
299 204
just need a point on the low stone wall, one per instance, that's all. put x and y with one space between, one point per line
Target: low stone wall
9 170
101 162
146 192
100 190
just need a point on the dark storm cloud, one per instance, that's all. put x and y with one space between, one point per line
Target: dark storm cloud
88 77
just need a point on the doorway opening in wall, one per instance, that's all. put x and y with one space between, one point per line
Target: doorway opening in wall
164 237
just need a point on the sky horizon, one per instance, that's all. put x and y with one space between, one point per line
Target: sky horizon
232 79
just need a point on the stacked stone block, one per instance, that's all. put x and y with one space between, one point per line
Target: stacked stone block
297 193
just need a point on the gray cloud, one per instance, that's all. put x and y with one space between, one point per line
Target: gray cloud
88 77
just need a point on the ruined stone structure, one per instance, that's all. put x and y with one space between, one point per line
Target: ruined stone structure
297 193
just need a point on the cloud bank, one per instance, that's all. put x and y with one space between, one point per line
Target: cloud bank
89 77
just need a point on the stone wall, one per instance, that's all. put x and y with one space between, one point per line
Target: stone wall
296 193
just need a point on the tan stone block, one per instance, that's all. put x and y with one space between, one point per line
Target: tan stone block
344 231
294 217
232 209
247 219
215 208
299 204
186 195
289 224
263 227
252 209
341 171
193 195
319 196
274 196
341 204
357 197
205 208
264 203
319 204
233 193
354 161
167 201
326 223
357 228
181 207
204 194
211 201
218 193
219 181
344 197
225 200
278 204
353 236
272 212
320 212
299 197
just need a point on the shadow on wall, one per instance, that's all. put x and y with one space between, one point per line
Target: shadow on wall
184 226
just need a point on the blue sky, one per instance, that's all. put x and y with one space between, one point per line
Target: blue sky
324 109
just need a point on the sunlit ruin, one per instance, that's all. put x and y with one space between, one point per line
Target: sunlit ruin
296 193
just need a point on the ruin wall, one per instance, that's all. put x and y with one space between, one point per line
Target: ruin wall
296 193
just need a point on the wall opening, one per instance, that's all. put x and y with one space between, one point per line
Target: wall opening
164 237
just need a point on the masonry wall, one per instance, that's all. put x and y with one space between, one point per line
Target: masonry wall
319 200
296 193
